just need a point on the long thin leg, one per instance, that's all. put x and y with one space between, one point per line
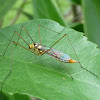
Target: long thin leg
67 70
10 71
5 37
58 40
19 34
27 33
11 40
39 32
18 39
19 44
21 38
51 29
48 29
23 47
8 44
74 52
78 59
55 43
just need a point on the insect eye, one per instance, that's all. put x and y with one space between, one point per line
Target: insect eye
35 44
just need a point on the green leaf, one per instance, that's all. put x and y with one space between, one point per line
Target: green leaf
77 27
29 16
92 20
46 9
97 7
78 2
5 5
45 77
16 96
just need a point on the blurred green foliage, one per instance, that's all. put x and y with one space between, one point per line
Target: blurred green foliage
91 10
76 1
5 6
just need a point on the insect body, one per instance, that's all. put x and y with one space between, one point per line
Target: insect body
59 55
39 49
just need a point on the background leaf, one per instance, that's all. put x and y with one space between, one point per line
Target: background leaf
5 5
92 20
75 1
46 9
43 76
16 96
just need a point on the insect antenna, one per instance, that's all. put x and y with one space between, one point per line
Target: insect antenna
5 37
21 38
23 47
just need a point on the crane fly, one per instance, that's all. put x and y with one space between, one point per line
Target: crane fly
39 49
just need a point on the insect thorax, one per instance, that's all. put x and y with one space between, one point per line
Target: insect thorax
38 48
